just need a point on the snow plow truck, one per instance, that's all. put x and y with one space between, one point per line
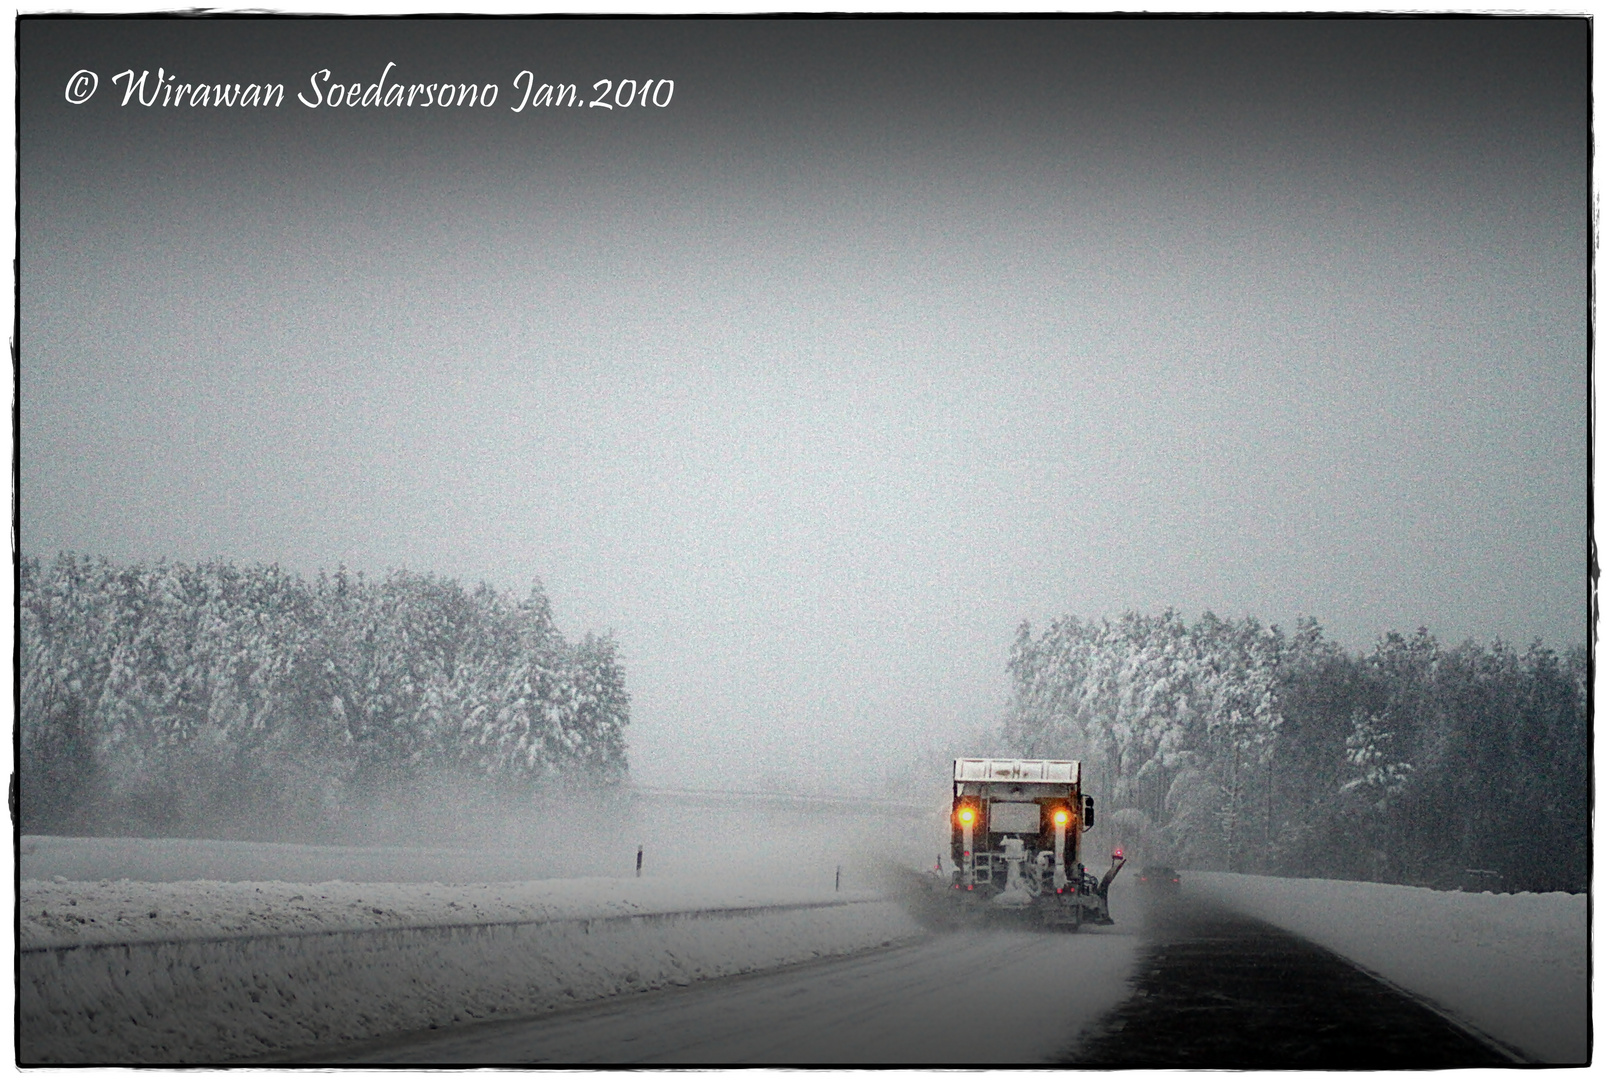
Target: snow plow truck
1014 843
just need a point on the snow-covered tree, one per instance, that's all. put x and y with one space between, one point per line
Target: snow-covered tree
1375 773
170 695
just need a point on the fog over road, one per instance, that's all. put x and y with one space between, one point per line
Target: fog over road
977 998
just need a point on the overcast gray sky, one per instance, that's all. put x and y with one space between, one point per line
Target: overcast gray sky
880 338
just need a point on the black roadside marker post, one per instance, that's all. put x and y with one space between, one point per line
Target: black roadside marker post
839 886
638 860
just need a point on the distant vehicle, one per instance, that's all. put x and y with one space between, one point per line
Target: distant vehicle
1014 838
1159 880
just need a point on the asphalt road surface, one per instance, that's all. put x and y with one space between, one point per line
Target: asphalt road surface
1215 990
1176 988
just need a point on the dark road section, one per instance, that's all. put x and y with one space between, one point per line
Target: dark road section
1216 990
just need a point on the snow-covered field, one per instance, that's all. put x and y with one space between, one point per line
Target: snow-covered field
682 838
1513 966
96 858
151 972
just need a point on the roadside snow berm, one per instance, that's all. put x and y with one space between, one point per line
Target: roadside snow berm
397 965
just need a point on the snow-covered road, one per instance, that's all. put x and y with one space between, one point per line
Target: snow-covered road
977 998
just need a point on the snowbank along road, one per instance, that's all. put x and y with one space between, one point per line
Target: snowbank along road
321 965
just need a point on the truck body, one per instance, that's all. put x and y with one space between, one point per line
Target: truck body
1015 842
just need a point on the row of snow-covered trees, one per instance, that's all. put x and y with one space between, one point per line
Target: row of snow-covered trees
200 699
1232 745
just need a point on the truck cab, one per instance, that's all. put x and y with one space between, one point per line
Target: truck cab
1015 832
